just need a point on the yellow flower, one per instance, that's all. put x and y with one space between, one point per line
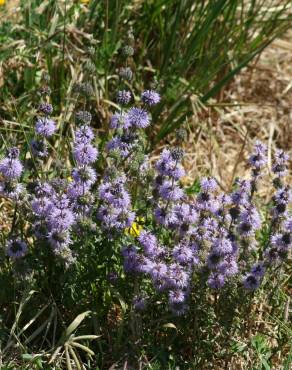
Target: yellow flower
2 2
82 1
136 227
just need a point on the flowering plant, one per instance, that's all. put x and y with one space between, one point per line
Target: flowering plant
216 235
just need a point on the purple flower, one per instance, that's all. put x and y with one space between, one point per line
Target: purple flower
59 239
61 219
16 248
228 267
84 175
159 271
208 184
41 206
138 117
83 117
11 189
176 296
258 269
46 108
178 277
120 120
39 148
241 195
182 253
222 246
259 158
280 163
84 135
288 224
170 192
214 259
85 154
250 221
45 126
251 281
216 281
123 97
149 243
150 97
11 168
168 165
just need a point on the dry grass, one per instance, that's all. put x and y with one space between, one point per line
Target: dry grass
257 105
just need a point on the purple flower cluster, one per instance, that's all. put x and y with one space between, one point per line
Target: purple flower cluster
126 123
212 233
115 212
83 175
54 215
11 169
16 248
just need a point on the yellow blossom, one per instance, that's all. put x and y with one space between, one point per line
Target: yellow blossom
2 2
136 227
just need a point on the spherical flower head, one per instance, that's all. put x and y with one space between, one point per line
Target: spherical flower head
84 135
176 296
150 97
216 281
13 153
83 117
250 221
123 97
120 121
39 148
258 269
228 267
159 271
11 168
42 206
138 118
59 239
178 277
222 246
149 243
280 163
182 253
84 175
241 195
45 127
214 259
84 153
11 189
258 159
185 213
61 219
165 217
16 248
251 281
46 108
170 192
167 164
208 185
